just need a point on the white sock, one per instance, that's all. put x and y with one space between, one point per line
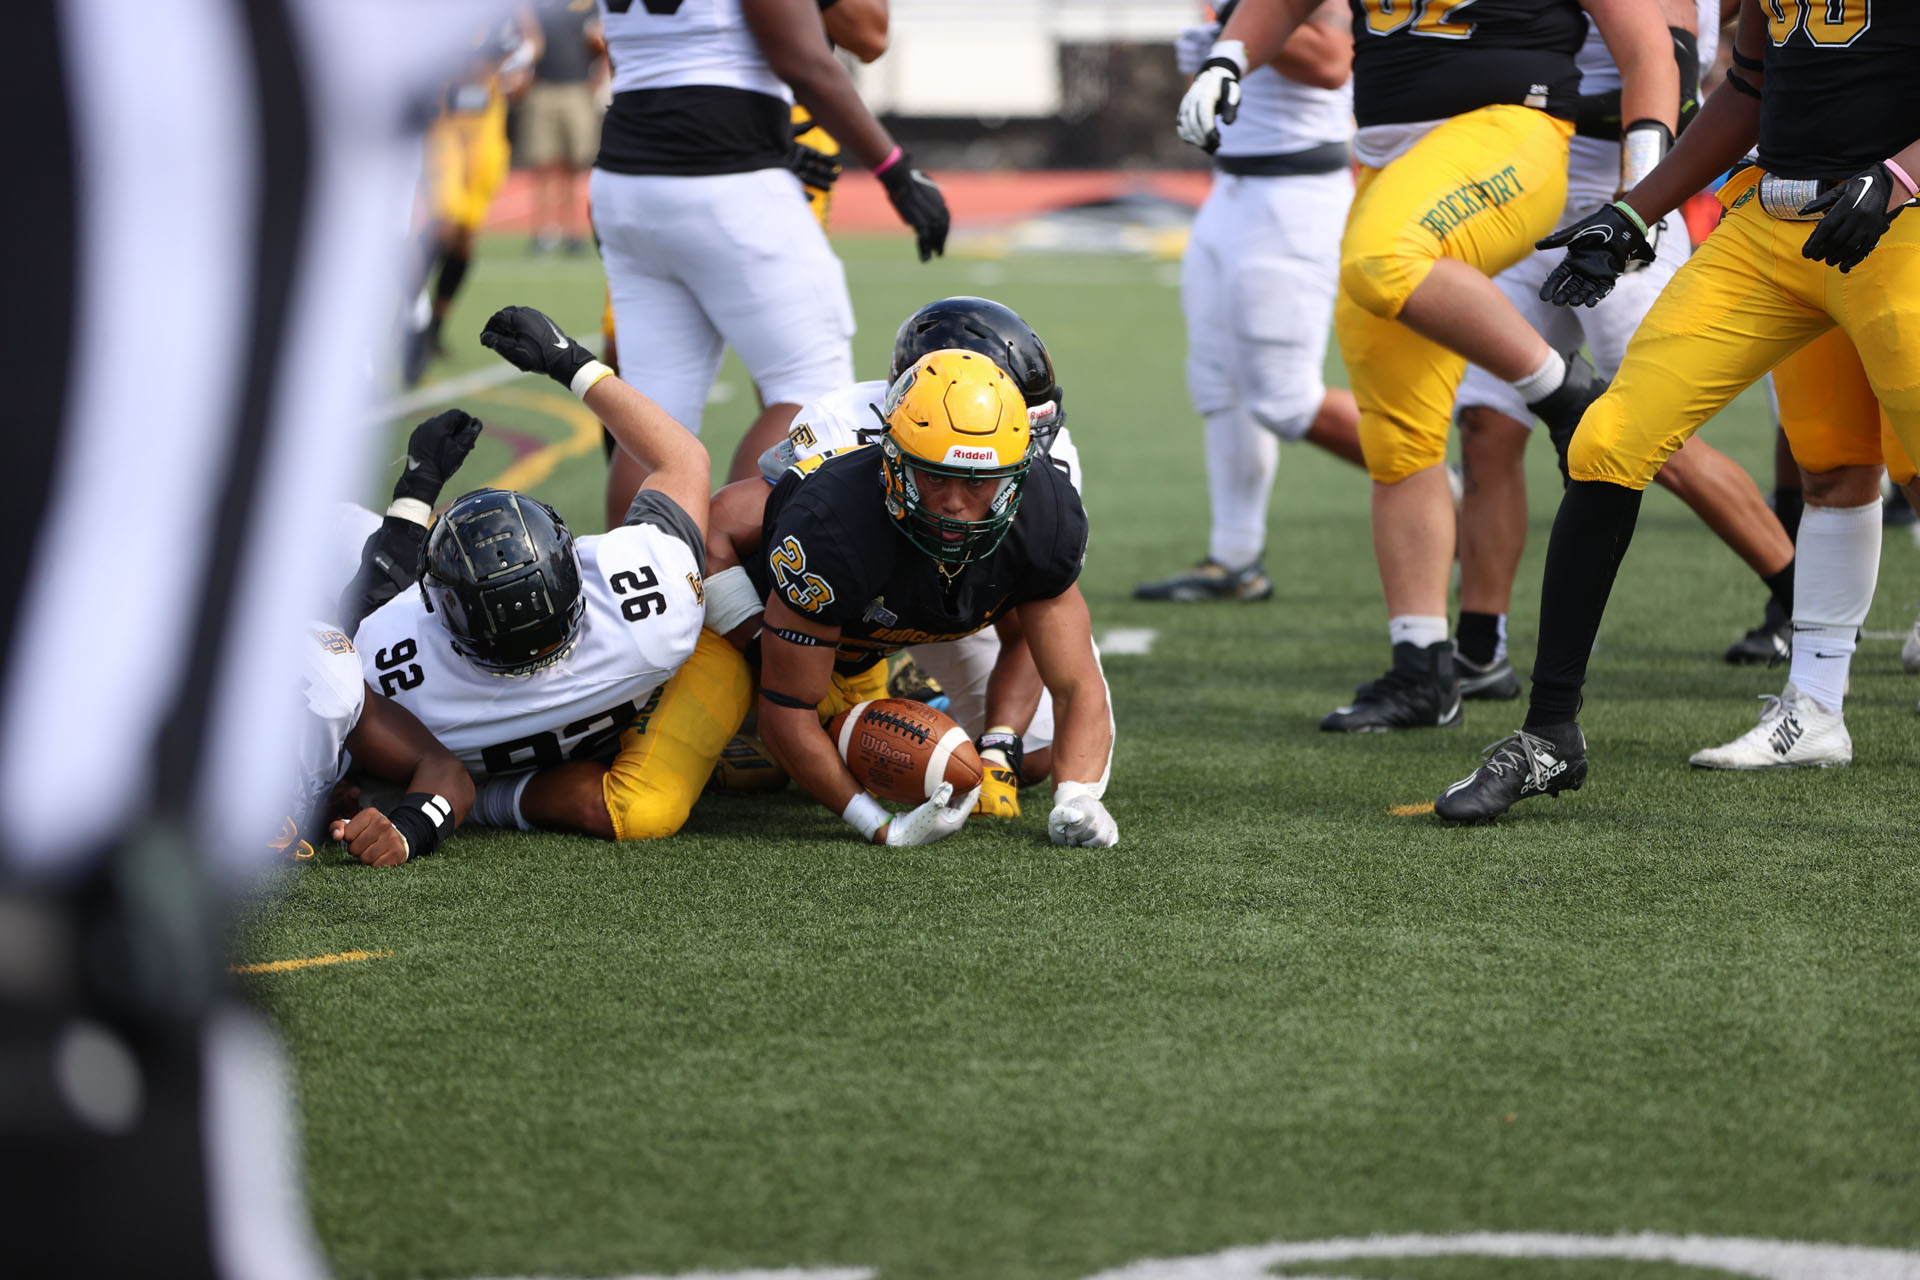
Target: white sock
1500 641
1544 381
1423 629
1241 461
1836 564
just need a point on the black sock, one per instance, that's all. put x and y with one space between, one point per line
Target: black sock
1478 636
1590 537
1781 585
453 269
1788 504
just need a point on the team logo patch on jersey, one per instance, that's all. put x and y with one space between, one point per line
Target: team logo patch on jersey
699 588
332 641
878 612
802 436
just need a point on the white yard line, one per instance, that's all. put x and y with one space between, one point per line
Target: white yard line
1128 640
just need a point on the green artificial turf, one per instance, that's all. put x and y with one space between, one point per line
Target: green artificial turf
1671 1002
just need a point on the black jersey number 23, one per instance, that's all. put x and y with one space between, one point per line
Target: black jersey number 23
1434 18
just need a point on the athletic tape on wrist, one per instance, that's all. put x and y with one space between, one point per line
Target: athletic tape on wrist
1234 51
497 802
412 510
423 820
731 599
865 815
1643 145
586 376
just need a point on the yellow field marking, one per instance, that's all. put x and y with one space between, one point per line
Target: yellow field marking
1410 810
309 962
536 467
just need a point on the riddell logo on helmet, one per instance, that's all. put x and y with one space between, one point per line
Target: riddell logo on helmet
962 453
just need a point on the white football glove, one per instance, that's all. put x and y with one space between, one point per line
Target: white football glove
1213 99
934 820
1079 819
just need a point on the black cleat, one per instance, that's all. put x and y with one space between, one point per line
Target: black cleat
1494 682
1526 764
1418 692
1209 580
1766 645
1563 407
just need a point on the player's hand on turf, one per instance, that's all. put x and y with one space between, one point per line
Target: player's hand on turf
1079 819
814 167
918 201
1856 217
1599 247
528 341
1213 99
371 837
935 820
435 451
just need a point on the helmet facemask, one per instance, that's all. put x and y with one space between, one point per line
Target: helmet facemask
950 541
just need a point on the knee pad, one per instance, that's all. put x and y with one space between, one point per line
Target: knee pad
1288 414
1393 453
647 814
1595 453
1380 282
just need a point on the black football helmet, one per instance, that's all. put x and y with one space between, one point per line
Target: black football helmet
502 573
996 332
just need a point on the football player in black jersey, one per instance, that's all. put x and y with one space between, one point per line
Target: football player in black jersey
1811 241
1464 113
941 528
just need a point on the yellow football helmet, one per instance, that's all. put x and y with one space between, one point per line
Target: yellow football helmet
954 413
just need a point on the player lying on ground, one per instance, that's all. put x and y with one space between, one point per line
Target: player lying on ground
387 744
570 676
994 690
950 521
1811 242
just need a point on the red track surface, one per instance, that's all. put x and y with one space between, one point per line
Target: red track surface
860 204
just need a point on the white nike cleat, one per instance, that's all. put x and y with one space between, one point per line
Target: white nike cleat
1910 650
1794 732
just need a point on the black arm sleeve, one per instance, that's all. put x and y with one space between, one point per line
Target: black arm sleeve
389 564
650 506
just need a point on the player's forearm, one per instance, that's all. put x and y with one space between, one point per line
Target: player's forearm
1649 77
1013 688
824 88
796 740
675 459
1264 26
1725 130
1083 745
441 774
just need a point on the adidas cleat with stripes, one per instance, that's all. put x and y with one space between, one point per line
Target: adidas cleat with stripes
1516 768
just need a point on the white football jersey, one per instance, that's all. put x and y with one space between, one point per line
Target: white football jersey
850 417
334 693
698 42
642 619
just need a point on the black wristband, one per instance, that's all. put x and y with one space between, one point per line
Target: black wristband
787 700
1011 743
423 819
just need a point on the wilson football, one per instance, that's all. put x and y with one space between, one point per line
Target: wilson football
903 750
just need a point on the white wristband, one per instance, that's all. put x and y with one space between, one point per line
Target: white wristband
1234 51
1068 792
731 599
864 814
411 510
586 376
496 802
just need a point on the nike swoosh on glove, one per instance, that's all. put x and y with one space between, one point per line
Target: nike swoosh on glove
1599 247
526 339
934 820
435 451
1856 216
1079 819
917 199
1213 99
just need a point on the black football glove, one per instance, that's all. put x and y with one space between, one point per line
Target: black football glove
390 562
1856 217
919 203
814 167
1599 247
527 340
435 451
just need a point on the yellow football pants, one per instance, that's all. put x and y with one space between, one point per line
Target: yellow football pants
1829 412
668 752
1744 302
467 157
1481 188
